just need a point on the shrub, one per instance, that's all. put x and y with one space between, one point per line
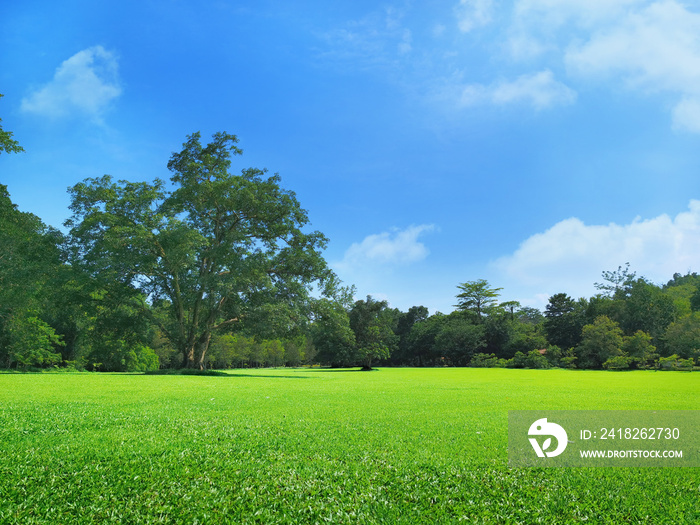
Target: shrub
619 362
482 360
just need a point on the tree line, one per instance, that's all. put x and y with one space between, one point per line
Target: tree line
631 323
215 269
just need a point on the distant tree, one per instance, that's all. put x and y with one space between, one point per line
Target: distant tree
683 337
529 315
647 308
295 350
477 297
7 143
460 339
691 278
421 346
639 348
219 249
564 320
274 352
510 307
524 337
331 334
499 330
406 322
600 341
373 324
695 300
617 283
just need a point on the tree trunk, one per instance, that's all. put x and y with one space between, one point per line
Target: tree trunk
188 357
202 347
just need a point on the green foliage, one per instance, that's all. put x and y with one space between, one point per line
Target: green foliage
29 264
298 350
695 299
523 338
536 359
519 360
406 322
618 362
477 297
530 316
673 362
421 346
140 358
617 283
683 337
31 342
568 361
482 360
218 250
564 320
459 339
600 342
332 335
639 349
373 325
647 308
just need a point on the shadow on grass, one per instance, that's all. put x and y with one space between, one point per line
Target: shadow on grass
340 370
219 373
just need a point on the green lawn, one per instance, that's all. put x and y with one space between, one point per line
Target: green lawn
321 446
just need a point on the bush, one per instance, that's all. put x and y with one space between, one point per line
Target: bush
518 361
535 359
484 361
619 362
673 362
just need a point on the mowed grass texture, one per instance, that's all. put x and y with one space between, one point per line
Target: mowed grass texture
320 446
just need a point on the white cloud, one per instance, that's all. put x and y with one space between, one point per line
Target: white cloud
582 12
686 115
570 256
657 48
388 248
648 46
540 90
473 13
86 83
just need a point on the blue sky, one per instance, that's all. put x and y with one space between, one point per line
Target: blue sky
532 143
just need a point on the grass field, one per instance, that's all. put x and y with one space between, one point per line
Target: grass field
321 446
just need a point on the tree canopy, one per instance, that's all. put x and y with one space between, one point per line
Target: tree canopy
216 250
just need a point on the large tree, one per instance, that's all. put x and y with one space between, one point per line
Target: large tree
215 249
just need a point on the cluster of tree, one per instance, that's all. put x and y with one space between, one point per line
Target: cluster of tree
631 323
148 270
218 270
